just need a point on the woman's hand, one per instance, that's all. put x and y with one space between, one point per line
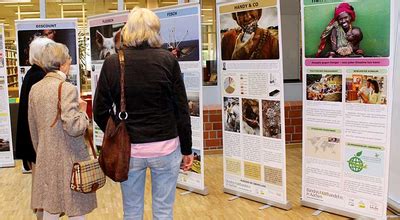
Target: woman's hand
82 105
187 162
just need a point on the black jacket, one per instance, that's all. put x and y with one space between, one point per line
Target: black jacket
24 148
155 94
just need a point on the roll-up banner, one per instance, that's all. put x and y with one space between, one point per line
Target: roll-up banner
181 34
6 146
394 173
105 39
348 56
250 65
60 30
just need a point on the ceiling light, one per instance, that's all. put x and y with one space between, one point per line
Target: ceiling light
28 13
72 4
9 6
74 11
14 1
206 9
126 3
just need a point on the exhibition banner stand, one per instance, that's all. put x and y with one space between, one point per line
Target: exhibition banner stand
6 146
105 40
348 56
181 34
250 64
60 30
394 173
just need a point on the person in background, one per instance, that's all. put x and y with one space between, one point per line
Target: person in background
58 138
24 147
375 96
158 120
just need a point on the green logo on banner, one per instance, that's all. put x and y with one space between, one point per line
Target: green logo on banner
356 164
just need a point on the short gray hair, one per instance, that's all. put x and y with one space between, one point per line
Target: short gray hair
143 25
35 49
54 55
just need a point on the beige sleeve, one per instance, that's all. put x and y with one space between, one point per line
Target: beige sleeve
73 120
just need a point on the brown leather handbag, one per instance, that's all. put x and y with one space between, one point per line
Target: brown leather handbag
115 152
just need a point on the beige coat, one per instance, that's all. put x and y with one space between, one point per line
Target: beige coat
57 147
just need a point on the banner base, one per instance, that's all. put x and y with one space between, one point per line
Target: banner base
394 206
333 210
286 206
203 192
5 165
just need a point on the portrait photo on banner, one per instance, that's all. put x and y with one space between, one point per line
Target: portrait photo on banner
105 40
347 29
64 36
249 35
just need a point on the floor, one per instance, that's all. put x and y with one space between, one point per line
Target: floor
15 197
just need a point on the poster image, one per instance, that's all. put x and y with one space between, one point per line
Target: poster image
251 34
194 103
324 87
196 167
4 145
231 114
367 89
364 160
251 116
349 29
64 36
105 40
271 117
180 35
323 143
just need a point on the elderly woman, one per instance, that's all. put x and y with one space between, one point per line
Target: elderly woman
57 138
24 145
158 120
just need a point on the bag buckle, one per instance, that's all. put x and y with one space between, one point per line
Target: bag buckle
123 116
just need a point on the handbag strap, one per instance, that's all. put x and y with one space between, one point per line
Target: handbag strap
58 104
87 135
123 115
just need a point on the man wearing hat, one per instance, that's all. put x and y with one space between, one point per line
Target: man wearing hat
248 41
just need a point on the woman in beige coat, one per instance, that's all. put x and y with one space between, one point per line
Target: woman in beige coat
58 146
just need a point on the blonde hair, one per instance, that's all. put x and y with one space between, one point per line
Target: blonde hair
54 55
35 50
142 26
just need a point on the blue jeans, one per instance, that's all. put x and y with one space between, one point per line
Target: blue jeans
164 175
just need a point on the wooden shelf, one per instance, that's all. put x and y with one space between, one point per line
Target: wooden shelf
12 75
12 83
11 66
12 58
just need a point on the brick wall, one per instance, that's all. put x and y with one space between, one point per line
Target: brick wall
212 118
213 125
293 122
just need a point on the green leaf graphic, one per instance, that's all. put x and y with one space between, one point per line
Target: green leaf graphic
359 153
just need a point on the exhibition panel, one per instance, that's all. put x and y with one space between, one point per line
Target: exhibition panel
6 146
60 30
347 105
181 34
104 40
394 173
250 64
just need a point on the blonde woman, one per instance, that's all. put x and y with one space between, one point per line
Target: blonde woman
58 139
158 115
